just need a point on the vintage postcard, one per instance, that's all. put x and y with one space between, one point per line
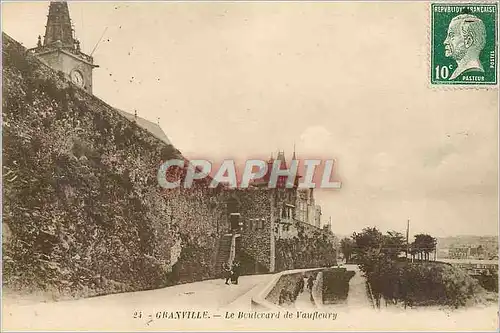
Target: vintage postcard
250 166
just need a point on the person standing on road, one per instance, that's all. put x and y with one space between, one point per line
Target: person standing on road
310 283
226 271
301 285
282 296
236 272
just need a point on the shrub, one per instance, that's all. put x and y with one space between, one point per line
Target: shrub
423 283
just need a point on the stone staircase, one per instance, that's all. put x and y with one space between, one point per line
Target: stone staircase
224 253
227 250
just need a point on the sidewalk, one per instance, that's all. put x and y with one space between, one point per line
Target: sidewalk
303 301
357 297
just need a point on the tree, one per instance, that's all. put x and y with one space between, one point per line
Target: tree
394 244
346 246
413 250
423 245
429 245
368 245
369 240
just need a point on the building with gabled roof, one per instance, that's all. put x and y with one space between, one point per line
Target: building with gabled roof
149 126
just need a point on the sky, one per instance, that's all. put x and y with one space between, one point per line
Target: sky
343 81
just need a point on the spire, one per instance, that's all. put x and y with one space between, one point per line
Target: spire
281 156
58 25
294 157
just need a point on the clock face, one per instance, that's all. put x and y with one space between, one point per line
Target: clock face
77 78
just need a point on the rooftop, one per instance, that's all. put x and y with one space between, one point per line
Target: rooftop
149 126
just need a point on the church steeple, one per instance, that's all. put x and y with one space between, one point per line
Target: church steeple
61 50
281 157
59 25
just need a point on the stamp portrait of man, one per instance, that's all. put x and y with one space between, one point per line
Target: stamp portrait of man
464 42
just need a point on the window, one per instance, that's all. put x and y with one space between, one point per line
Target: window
256 224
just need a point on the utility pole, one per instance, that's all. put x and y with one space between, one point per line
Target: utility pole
407 238
435 249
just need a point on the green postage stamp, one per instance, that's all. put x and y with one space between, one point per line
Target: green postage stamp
464 43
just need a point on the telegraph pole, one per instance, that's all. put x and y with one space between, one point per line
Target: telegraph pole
407 238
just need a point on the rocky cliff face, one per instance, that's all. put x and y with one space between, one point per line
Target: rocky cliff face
83 213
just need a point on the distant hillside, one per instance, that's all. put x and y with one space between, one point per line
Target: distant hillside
459 241
488 243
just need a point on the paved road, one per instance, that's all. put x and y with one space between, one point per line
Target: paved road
106 311
357 296
116 312
303 301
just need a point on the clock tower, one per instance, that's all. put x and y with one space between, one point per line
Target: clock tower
61 50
